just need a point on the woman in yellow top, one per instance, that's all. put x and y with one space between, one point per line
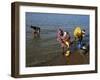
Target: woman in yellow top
78 35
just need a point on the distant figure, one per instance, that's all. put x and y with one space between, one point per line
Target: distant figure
64 40
36 31
79 35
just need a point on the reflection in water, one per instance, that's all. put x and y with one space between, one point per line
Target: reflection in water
45 50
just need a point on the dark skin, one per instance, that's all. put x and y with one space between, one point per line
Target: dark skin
63 48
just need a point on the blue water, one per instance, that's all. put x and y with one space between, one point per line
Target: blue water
46 47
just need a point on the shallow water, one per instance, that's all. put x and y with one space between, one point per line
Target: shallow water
40 51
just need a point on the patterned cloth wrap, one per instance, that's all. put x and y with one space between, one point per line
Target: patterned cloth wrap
64 39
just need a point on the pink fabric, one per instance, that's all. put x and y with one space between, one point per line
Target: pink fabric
62 39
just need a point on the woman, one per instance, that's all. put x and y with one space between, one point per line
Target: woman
64 39
79 35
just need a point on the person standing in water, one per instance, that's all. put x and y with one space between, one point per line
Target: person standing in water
79 35
64 39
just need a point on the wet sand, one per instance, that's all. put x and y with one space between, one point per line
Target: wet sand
76 58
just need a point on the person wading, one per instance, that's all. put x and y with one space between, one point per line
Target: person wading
64 39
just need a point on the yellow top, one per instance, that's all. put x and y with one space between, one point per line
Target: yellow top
77 32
